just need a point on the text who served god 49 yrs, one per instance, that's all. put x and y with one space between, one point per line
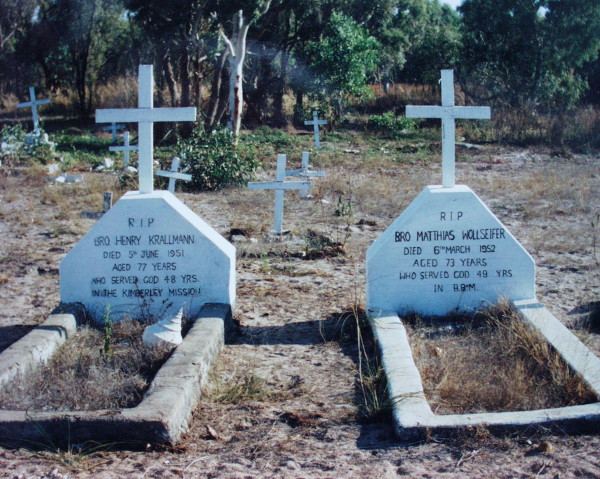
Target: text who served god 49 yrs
144 263
464 256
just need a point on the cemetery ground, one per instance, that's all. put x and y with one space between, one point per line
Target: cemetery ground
292 393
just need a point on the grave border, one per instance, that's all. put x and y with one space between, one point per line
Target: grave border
162 417
413 417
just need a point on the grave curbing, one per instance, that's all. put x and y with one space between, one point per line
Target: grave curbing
413 417
163 415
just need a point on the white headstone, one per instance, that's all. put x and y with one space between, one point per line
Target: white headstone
145 116
280 185
126 148
33 103
113 127
148 255
305 171
174 175
446 251
316 122
448 113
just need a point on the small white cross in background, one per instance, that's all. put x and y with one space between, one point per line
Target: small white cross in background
126 148
145 115
174 175
113 127
34 112
305 172
280 185
448 113
316 122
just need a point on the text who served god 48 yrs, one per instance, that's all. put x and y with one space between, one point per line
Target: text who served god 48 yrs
144 264
465 256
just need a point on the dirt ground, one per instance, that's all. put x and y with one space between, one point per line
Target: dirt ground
302 421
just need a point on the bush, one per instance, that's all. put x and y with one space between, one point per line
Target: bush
390 124
213 160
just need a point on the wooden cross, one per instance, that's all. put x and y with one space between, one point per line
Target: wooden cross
145 115
33 103
174 175
126 148
113 127
316 122
305 172
280 185
448 113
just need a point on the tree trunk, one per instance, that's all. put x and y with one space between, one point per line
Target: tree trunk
278 114
170 80
216 91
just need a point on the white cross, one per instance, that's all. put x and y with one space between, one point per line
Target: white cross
34 112
126 148
145 115
113 127
174 175
448 113
316 122
279 185
305 172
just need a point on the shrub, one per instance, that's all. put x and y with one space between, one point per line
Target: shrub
213 160
390 124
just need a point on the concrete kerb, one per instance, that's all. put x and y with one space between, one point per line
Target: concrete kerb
161 418
413 416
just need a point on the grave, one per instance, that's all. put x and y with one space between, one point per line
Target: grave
113 128
280 185
447 252
174 174
107 202
305 172
33 104
148 255
315 122
126 148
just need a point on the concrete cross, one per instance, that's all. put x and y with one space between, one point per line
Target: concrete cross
305 172
33 103
316 122
145 115
279 185
448 113
113 127
174 175
126 148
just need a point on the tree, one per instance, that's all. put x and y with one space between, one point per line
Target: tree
75 53
236 46
521 52
343 61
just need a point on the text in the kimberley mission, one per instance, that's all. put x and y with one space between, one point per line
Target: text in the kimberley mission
143 260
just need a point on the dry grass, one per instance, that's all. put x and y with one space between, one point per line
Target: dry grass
491 362
93 370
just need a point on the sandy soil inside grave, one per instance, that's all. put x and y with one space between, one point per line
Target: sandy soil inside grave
306 426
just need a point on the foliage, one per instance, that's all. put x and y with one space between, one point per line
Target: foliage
343 61
523 52
213 160
390 124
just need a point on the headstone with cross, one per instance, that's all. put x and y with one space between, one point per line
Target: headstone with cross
113 127
316 122
149 255
447 251
174 174
448 112
126 148
305 172
33 104
279 185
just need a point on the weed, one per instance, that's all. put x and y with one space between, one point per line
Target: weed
107 330
491 361
246 387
